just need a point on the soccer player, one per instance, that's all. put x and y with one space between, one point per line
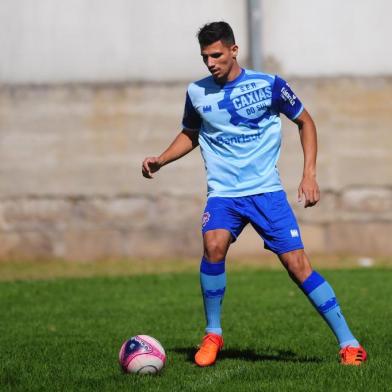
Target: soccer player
234 116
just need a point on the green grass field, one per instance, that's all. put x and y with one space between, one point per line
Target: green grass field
64 334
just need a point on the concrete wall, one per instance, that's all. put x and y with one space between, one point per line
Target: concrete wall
53 41
95 40
71 184
328 38
71 143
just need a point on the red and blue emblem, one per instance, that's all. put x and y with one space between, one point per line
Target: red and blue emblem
206 217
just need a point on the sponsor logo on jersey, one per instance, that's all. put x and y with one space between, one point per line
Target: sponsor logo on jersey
284 93
248 102
254 97
240 139
207 108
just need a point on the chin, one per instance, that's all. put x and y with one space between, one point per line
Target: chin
220 79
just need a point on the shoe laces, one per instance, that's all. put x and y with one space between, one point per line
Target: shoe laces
350 353
211 341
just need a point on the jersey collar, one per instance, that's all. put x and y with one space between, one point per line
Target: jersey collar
236 80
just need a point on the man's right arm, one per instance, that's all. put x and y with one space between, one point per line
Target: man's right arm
184 143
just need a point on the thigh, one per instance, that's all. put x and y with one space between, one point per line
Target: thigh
276 223
221 213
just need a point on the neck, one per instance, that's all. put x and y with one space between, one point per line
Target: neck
234 72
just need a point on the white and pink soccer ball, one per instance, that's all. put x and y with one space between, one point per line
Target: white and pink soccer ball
142 354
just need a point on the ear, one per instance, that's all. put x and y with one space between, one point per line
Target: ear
234 51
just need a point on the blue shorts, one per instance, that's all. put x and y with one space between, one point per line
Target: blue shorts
269 213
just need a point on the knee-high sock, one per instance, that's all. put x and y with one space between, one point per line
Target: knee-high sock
213 286
322 296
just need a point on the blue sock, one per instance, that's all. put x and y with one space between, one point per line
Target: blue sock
323 298
213 286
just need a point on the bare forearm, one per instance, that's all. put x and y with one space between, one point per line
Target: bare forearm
184 143
308 186
308 135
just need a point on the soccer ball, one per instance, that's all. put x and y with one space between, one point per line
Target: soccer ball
142 354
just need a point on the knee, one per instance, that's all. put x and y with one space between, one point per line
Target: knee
214 250
298 266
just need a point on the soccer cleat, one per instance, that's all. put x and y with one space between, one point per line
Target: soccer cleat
352 355
208 350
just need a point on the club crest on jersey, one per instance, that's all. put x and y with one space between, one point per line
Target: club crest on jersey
205 218
248 102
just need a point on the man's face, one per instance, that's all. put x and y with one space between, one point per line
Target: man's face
219 59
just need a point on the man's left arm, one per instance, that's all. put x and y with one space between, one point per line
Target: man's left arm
308 188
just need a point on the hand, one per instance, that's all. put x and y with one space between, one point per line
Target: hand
150 165
310 189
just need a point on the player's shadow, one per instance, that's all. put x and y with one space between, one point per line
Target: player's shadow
251 355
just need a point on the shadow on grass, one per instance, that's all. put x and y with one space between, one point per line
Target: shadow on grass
250 355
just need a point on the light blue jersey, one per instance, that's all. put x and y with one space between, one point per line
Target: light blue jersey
240 130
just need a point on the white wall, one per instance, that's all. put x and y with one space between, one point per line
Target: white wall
51 41
334 37
89 40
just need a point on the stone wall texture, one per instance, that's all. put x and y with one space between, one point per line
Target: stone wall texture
71 185
78 41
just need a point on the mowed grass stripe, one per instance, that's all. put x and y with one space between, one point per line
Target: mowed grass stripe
64 334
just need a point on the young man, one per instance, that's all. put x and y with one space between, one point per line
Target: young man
234 116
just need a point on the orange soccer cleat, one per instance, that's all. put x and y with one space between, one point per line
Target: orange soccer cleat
352 355
208 350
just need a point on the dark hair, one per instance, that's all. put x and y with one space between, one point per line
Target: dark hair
216 31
